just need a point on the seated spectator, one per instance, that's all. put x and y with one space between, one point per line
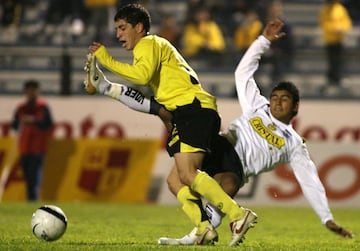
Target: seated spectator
203 38
248 30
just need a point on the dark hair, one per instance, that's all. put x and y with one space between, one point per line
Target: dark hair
134 14
31 84
291 88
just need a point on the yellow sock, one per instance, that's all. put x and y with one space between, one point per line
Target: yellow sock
213 193
193 208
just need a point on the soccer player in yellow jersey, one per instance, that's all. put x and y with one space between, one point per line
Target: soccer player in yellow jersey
196 122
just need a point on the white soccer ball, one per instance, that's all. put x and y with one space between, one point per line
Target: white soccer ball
48 223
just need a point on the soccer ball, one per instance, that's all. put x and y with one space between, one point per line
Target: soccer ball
48 223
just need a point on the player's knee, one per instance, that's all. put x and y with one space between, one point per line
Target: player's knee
174 184
171 186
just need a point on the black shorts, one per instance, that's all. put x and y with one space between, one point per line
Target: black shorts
194 129
223 158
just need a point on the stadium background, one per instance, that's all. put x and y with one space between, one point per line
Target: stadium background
90 130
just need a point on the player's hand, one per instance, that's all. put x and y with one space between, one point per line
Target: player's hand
272 30
166 118
332 226
94 46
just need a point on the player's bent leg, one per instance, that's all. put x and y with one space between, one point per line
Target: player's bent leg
173 181
96 82
241 219
193 208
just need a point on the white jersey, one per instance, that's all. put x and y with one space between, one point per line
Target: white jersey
263 142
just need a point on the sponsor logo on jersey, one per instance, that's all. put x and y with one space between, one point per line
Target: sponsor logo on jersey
266 133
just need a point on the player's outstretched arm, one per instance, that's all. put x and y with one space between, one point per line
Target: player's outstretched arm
332 226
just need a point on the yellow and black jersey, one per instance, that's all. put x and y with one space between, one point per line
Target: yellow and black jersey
158 65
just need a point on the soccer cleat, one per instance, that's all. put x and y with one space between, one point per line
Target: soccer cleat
240 227
208 237
93 75
188 239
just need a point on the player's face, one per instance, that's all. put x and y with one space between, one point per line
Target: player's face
127 34
281 106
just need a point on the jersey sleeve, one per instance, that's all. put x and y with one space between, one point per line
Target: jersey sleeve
247 90
307 176
142 69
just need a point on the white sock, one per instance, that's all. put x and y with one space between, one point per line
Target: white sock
130 97
103 86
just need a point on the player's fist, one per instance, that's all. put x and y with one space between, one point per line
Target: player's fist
332 226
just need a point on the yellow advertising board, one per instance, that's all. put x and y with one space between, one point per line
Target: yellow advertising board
116 170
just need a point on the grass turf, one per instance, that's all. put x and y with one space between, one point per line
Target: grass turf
100 226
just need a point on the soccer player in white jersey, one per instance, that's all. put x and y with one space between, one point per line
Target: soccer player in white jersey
262 137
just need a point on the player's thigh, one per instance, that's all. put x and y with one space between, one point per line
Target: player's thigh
194 129
224 162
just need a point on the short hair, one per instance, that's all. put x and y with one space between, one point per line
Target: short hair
31 84
290 87
134 14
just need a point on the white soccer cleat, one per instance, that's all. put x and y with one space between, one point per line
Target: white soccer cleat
240 227
93 75
189 239
208 237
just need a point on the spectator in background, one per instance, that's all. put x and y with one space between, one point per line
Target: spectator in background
33 122
246 33
169 29
12 11
203 38
100 18
335 22
191 7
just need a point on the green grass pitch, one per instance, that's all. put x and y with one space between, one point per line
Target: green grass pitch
101 226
